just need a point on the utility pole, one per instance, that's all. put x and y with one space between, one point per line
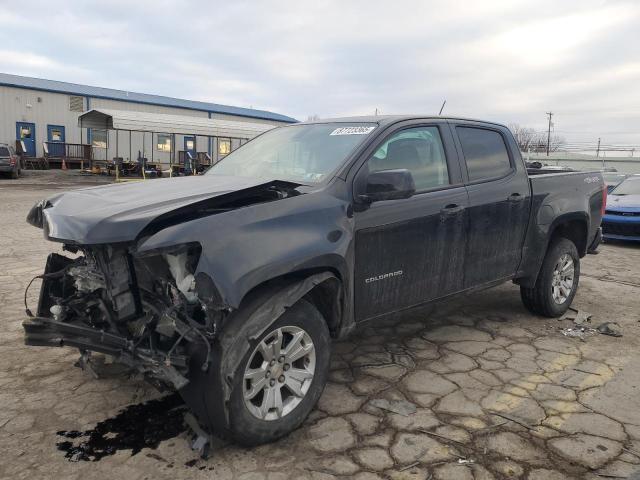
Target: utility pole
550 114
598 150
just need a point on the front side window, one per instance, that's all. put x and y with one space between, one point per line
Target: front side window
164 142
485 153
305 153
99 138
418 150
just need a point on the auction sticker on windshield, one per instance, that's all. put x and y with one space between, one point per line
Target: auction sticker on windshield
352 131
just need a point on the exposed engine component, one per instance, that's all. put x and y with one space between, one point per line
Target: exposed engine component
185 281
144 311
87 278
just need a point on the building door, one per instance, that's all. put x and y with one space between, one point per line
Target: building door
27 133
189 148
55 137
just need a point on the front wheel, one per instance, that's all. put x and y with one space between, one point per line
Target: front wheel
557 281
280 379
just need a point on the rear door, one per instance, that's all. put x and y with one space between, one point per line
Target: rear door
499 201
411 250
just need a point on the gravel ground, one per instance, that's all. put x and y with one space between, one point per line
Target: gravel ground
489 382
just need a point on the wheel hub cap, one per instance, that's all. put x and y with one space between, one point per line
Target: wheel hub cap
562 281
279 373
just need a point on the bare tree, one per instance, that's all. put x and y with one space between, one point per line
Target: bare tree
530 140
525 137
313 118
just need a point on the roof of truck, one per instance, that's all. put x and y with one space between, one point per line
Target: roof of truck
387 119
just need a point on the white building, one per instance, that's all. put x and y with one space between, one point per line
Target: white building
44 114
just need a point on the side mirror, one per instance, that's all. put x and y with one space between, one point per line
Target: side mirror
388 185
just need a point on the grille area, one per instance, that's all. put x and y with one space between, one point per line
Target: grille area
630 229
622 214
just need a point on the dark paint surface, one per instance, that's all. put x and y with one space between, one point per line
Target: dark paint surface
486 238
139 426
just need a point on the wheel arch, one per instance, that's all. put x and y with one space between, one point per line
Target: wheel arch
573 226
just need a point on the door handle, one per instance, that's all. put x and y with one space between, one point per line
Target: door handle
515 197
451 210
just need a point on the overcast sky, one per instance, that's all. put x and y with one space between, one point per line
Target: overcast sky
509 61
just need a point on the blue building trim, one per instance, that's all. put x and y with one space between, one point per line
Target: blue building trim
54 86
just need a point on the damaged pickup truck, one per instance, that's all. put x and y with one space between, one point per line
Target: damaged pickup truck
228 287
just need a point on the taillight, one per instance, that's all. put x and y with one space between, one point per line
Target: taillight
604 199
12 160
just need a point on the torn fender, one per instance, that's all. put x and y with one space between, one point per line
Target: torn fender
237 337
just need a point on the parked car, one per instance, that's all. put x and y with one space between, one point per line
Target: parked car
9 161
229 286
622 216
613 179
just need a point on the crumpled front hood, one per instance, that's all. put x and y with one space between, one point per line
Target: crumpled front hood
119 212
623 202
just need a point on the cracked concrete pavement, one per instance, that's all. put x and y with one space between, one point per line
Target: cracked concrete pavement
489 382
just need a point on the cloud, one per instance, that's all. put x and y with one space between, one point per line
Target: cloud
504 60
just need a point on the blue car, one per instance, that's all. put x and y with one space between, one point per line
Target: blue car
622 215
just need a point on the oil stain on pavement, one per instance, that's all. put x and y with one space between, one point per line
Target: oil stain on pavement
135 427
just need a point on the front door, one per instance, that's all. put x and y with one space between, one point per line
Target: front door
55 138
411 250
27 133
499 205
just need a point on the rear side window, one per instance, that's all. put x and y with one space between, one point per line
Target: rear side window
484 152
4 152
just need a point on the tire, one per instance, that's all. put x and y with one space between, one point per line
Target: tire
540 299
245 426
15 174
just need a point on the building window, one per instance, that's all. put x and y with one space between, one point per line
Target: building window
76 104
56 134
224 146
98 138
164 143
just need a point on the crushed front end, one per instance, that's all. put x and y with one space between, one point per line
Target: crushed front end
147 311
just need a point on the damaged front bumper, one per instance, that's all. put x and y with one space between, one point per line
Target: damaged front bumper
148 312
46 332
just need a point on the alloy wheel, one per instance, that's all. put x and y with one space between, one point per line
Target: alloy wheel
279 373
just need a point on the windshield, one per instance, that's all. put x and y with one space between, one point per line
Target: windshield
305 153
631 186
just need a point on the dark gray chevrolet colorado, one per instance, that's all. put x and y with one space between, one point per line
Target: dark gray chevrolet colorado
229 286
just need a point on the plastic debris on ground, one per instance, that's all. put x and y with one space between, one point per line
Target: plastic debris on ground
610 328
579 317
579 332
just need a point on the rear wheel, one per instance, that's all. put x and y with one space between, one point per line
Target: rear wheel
15 174
281 378
557 281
